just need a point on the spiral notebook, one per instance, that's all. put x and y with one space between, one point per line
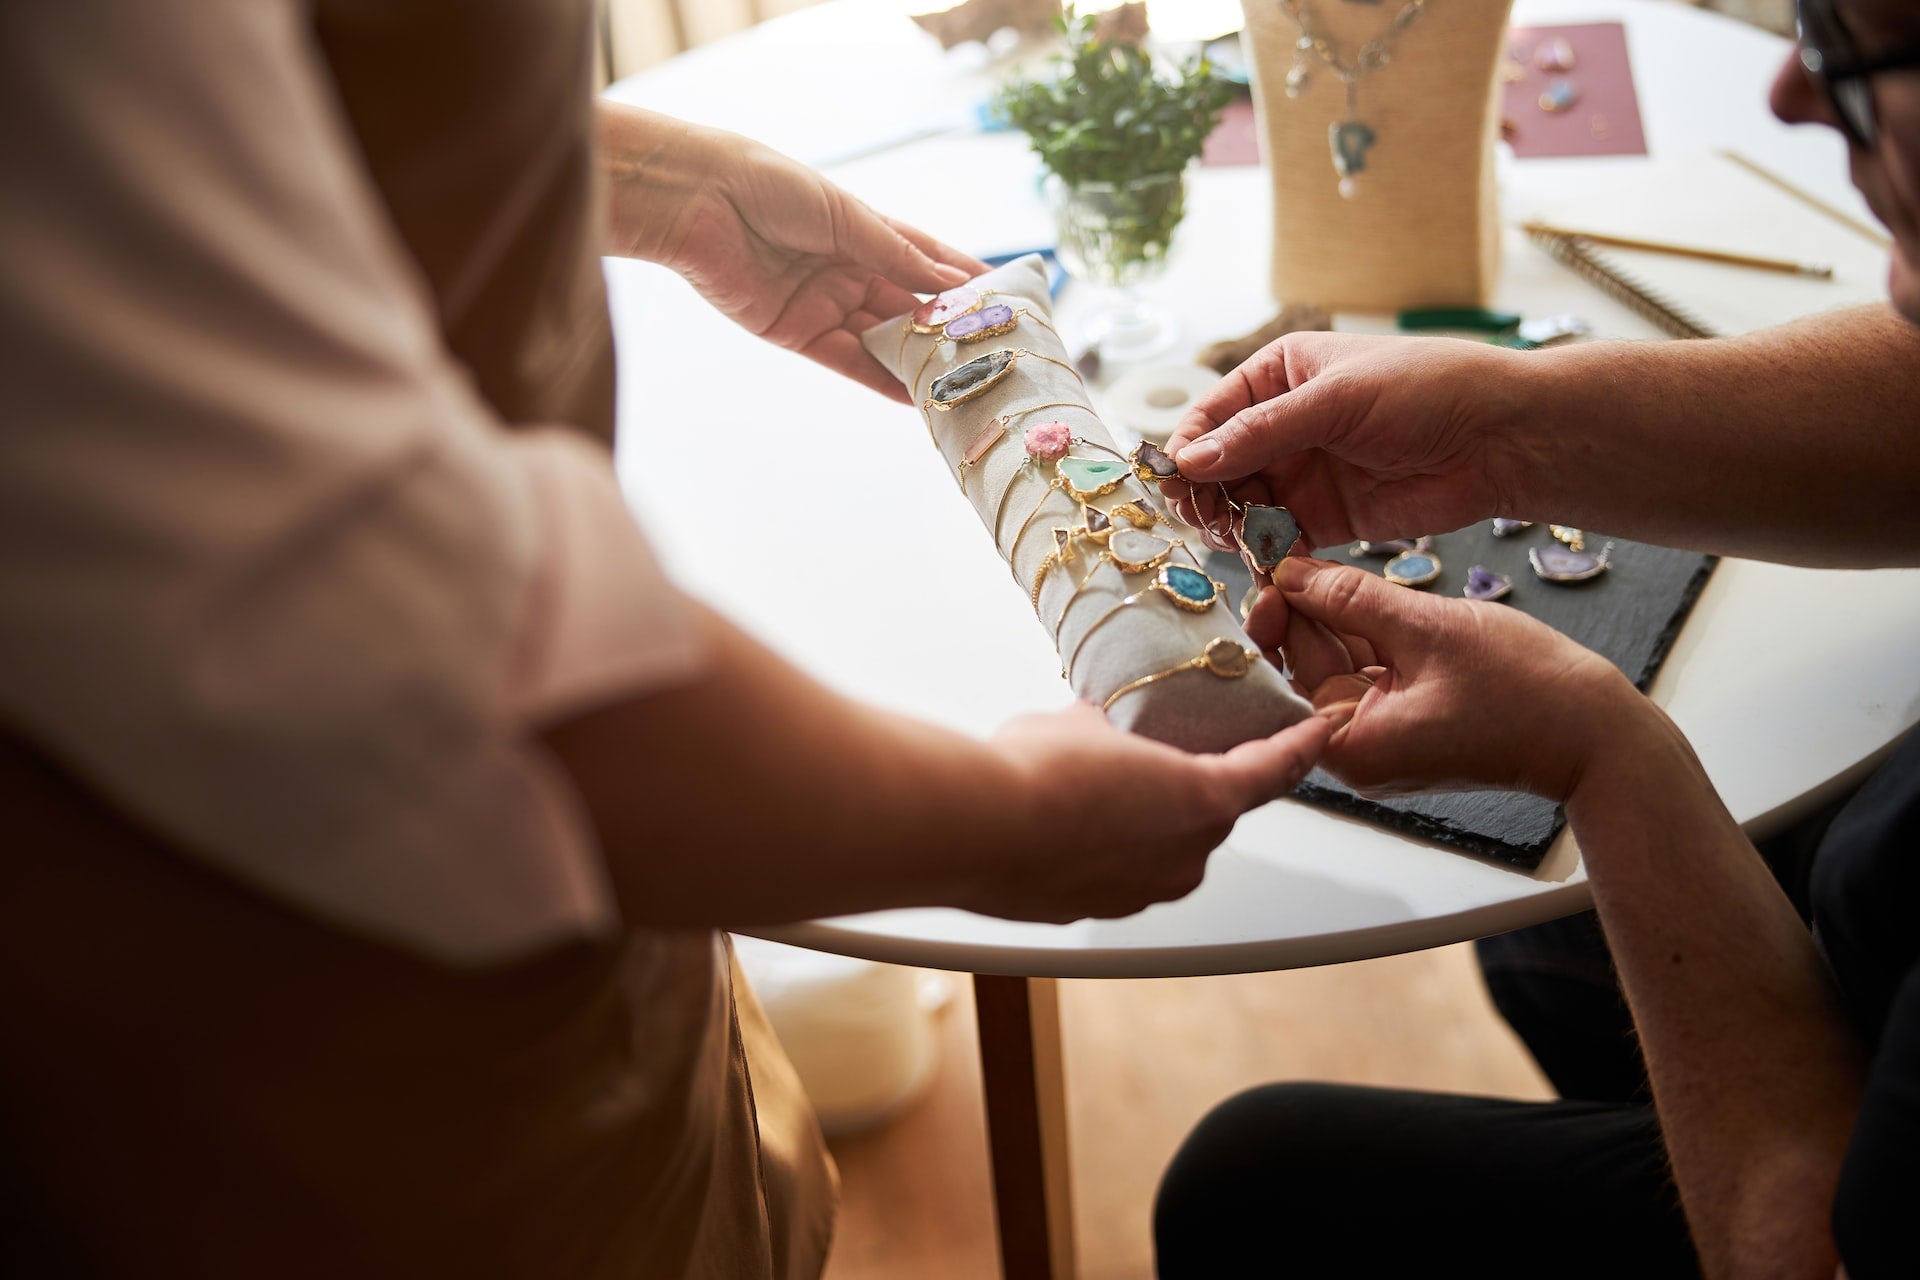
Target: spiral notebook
1714 202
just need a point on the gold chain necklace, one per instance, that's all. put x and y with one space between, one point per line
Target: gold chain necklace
1350 138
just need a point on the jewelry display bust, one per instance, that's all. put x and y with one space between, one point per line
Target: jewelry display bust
1377 120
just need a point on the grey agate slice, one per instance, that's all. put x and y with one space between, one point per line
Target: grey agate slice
971 378
1266 535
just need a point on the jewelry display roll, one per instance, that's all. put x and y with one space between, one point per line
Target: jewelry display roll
1142 630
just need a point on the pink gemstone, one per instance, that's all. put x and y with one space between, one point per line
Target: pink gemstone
988 437
936 311
1049 441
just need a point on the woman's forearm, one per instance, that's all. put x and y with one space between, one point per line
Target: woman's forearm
652 164
1799 444
755 795
1755 1070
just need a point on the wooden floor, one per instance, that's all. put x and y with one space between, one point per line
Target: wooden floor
1145 1059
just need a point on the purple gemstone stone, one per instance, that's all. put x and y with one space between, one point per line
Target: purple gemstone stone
985 322
1503 528
1484 584
1563 564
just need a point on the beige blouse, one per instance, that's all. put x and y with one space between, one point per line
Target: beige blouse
282 600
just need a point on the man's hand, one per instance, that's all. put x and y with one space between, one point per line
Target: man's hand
773 245
1361 437
1430 693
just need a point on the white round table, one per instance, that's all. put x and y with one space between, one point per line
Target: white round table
1790 683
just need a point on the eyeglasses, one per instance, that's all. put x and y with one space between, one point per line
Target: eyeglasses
1833 61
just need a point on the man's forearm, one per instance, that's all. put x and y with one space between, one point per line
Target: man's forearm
1755 1070
1799 444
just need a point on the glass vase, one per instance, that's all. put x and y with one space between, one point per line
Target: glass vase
1116 235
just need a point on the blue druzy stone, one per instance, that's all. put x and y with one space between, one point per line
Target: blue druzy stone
1412 566
1189 584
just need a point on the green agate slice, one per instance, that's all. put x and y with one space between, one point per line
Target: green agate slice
1090 477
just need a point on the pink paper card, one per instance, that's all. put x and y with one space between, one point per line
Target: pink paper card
1568 91
1236 139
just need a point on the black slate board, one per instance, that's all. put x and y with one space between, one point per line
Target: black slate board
1630 614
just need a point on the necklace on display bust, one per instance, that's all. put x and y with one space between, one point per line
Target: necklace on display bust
1351 138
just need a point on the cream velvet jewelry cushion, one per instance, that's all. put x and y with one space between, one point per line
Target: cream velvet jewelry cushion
1142 630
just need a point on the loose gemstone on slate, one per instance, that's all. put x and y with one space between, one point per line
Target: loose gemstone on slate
1502 527
1564 564
1151 463
971 378
1412 569
1266 535
1226 659
934 313
1575 538
985 323
1135 551
988 437
1391 547
1091 477
1484 584
1049 441
1190 587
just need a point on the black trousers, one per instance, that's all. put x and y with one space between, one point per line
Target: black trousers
1337 1180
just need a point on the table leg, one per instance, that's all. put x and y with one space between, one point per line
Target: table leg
1023 1076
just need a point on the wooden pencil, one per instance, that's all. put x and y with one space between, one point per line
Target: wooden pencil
1786 266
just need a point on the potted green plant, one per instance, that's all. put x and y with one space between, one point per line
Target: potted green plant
1116 132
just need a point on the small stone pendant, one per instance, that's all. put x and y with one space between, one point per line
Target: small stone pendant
1503 528
1568 534
1564 564
1484 584
1412 568
988 322
1136 552
1265 535
1350 140
1091 477
970 379
932 315
1151 463
1189 589
1298 78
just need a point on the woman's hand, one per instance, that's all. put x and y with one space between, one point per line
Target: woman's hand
1119 822
773 245
1430 693
1360 437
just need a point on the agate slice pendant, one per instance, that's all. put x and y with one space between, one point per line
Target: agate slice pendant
1412 568
1564 564
1484 584
988 322
970 379
937 312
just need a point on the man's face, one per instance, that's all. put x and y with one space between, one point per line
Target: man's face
1889 174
